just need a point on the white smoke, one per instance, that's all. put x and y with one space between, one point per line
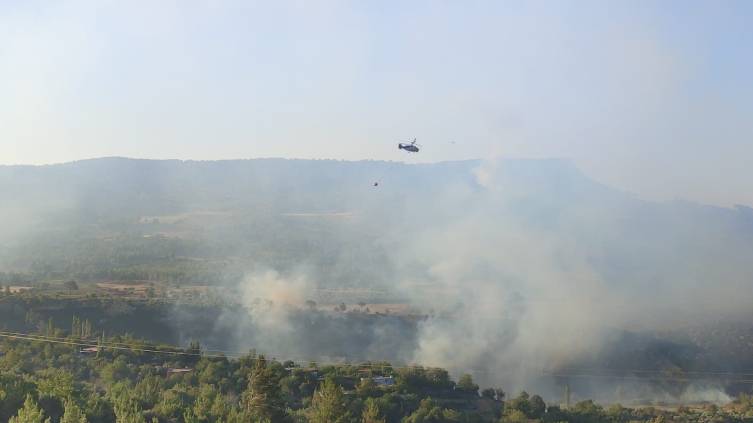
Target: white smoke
519 301
519 283
269 298
515 273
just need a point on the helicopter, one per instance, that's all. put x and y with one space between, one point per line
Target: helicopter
409 146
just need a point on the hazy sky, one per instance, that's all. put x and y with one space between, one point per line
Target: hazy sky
655 97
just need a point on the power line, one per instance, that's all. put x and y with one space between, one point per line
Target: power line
646 378
654 371
106 346
82 340
214 354
644 374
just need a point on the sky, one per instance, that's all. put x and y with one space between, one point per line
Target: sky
652 97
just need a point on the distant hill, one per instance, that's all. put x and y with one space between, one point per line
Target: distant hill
323 211
129 187
242 206
530 263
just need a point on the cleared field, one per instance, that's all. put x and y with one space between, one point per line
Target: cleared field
184 217
124 286
395 309
126 289
19 289
330 214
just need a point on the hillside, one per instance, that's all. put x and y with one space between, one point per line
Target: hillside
531 263
276 212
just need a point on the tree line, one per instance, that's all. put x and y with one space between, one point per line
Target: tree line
54 382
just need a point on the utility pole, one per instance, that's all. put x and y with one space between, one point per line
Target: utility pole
619 393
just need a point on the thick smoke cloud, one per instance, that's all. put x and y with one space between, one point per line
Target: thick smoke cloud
280 319
516 293
525 267
512 267
540 272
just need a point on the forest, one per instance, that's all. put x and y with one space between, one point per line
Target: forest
376 212
78 378
504 258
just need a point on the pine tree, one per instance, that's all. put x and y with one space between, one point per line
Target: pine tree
371 413
29 413
328 404
237 416
127 409
75 326
73 414
87 329
263 399
203 403
189 416
50 328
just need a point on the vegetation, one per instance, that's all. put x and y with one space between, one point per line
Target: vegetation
42 381
170 228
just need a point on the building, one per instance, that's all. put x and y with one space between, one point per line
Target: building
381 380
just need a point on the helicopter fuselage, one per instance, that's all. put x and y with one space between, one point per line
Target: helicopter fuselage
408 147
